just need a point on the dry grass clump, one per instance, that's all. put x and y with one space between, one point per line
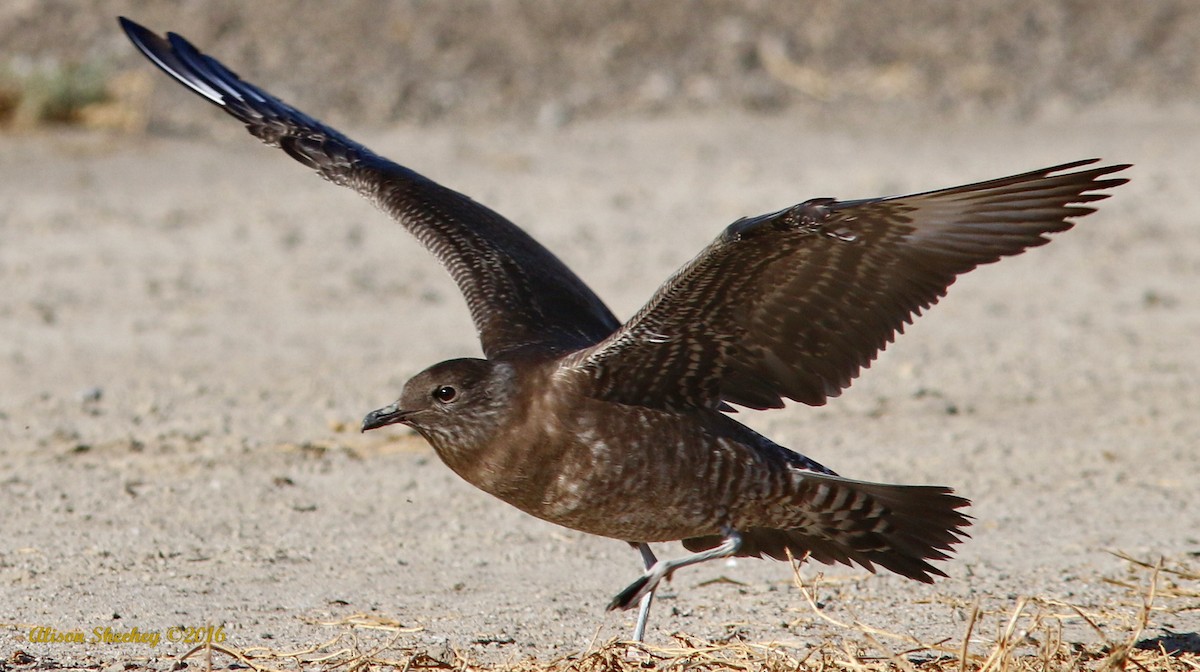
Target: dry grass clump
34 95
1027 636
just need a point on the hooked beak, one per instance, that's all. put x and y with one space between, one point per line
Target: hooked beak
388 415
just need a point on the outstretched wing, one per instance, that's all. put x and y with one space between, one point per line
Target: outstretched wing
795 303
519 294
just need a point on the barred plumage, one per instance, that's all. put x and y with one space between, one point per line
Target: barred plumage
620 430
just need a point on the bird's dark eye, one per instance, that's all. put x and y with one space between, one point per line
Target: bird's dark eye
445 394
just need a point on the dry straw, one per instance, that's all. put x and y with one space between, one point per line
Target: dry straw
1029 635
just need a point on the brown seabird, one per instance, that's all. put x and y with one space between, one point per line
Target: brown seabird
621 430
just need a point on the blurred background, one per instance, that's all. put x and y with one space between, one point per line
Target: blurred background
548 62
191 328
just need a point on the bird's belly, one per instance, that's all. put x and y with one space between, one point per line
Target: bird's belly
629 514
625 487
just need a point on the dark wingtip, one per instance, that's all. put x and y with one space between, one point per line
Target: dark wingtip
1092 173
1095 173
1072 164
1095 184
1109 170
142 37
165 53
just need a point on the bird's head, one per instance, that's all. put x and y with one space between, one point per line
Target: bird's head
455 405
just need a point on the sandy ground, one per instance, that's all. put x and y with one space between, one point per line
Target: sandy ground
191 330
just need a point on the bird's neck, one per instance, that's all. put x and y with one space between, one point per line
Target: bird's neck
511 456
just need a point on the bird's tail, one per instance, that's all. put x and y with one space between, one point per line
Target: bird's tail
836 520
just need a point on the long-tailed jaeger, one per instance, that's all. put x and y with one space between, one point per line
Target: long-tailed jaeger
622 429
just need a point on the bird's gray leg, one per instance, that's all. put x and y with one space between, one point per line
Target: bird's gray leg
663 568
648 558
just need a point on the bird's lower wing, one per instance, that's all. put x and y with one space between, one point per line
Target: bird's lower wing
519 294
795 303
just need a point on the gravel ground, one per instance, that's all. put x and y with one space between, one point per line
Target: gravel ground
191 329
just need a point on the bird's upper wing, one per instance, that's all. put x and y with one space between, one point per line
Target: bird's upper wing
519 294
795 303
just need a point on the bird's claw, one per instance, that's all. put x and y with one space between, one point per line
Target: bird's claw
632 594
